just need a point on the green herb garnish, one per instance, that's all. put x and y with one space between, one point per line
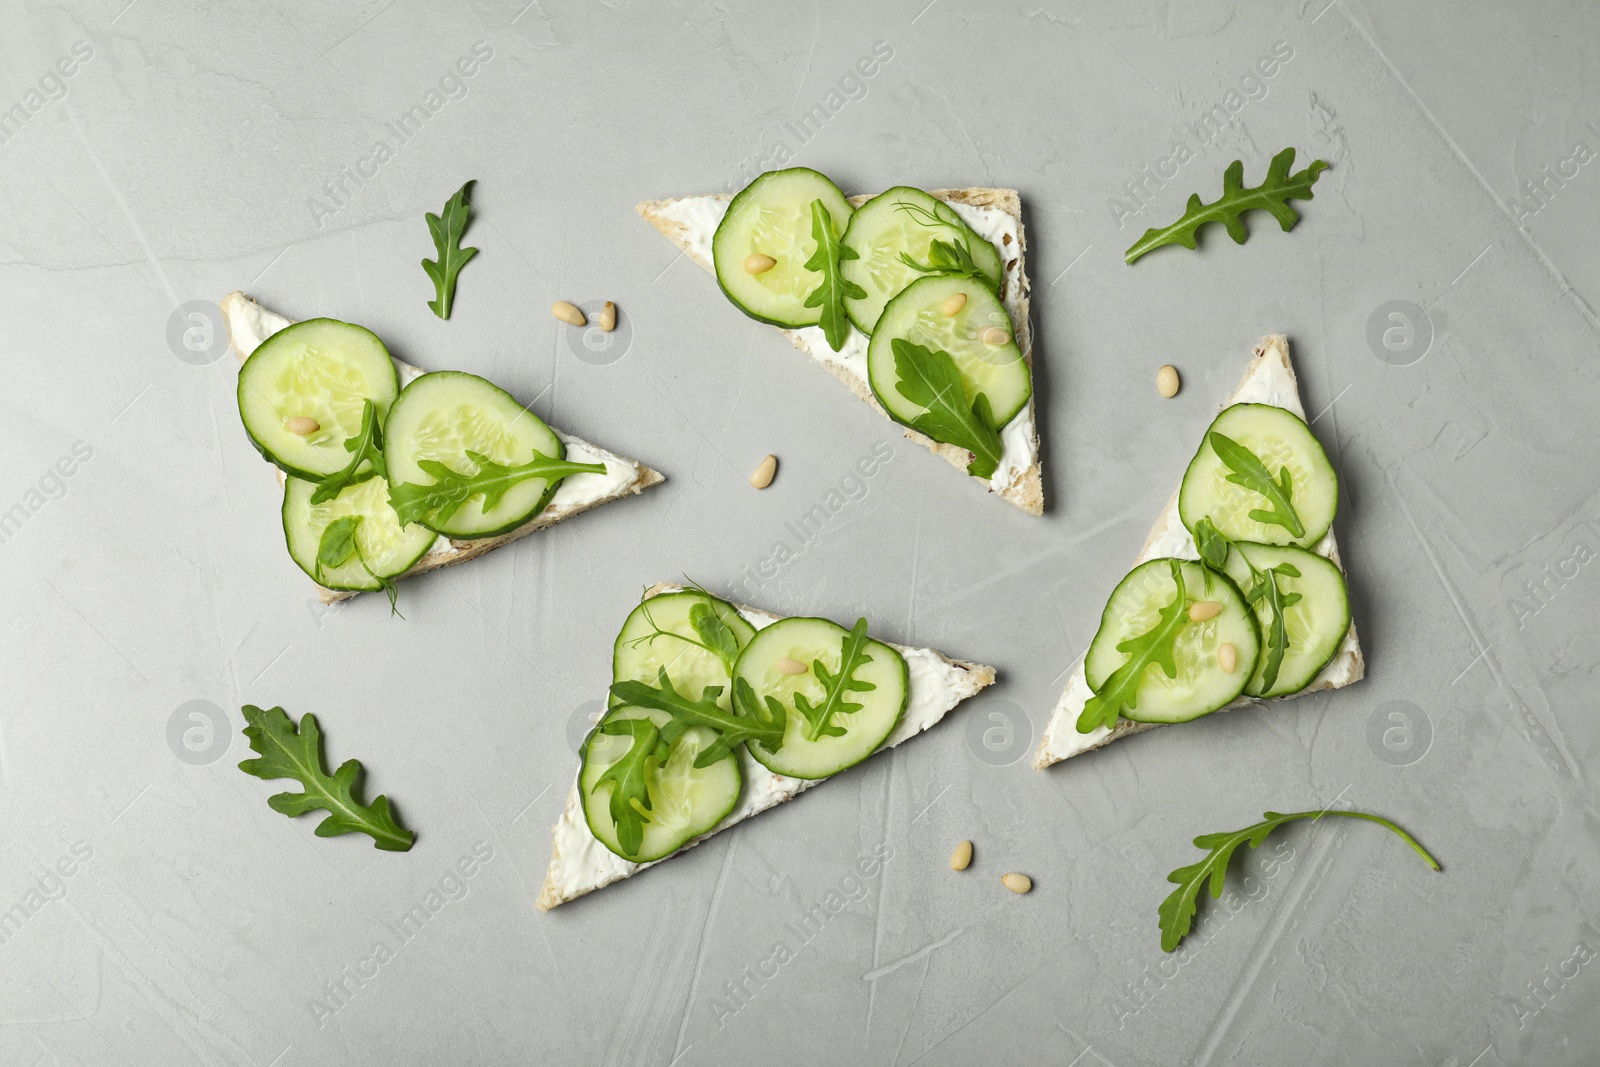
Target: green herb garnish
836 688
1272 195
288 751
932 380
750 723
1178 910
835 288
339 543
715 636
451 489
447 231
1156 646
1248 471
1214 548
365 447
628 776
952 257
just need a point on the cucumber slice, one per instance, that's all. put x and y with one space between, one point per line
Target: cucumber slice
322 369
1201 686
387 547
1315 624
772 216
685 801
904 222
1280 440
661 633
998 371
881 691
444 415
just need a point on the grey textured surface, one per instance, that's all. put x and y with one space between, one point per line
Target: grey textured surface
183 161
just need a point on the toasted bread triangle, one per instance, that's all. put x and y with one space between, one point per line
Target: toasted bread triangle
249 323
580 864
1023 485
1270 380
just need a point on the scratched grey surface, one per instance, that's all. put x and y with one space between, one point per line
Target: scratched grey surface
1441 321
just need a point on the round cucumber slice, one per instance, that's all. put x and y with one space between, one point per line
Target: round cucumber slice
1201 685
772 216
807 751
661 634
904 222
917 315
444 415
1280 440
388 548
1315 624
685 801
320 369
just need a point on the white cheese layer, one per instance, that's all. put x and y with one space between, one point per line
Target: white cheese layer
581 864
1270 381
700 216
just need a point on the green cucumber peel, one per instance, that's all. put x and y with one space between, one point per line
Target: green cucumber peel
732 728
1156 645
931 379
835 288
1214 548
285 750
413 501
446 230
628 778
1178 910
365 447
836 688
339 543
1247 470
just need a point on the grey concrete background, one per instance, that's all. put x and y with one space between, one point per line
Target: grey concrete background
189 154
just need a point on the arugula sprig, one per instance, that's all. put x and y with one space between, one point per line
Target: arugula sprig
835 288
1273 195
365 447
1248 471
837 687
446 230
630 778
339 543
932 380
1214 547
715 636
952 257
749 722
413 501
289 751
1178 910
1155 646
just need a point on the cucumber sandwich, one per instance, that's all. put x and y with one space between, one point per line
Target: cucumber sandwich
718 712
1238 595
918 301
388 471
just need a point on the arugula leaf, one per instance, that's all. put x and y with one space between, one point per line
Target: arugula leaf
1214 548
1178 910
836 688
1273 195
944 257
1212 545
288 751
413 501
629 778
1121 689
835 288
715 635
366 446
1248 471
447 231
933 381
338 543
732 728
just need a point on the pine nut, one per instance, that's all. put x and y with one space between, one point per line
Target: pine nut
1201 610
952 304
568 313
1017 883
606 317
786 665
961 858
304 425
762 476
1227 657
757 263
1167 381
994 335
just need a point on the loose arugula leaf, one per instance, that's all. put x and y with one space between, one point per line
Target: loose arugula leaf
1178 910
715 635
447 230
1248 471
1272 195
932 380
338 543
413 501
288 751
629 778
835 288
836 688
366 447
732 728
1121 689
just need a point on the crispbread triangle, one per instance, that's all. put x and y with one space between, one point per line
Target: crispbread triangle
249 323
1021 483
580 864
1270 380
